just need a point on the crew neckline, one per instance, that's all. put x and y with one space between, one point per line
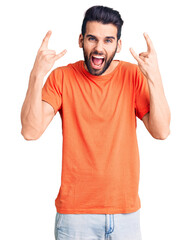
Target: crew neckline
101 77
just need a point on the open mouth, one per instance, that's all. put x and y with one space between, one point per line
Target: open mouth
97 62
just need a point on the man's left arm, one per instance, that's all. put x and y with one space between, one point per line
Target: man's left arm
157 121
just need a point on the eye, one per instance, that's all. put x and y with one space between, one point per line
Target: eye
108 40
91 39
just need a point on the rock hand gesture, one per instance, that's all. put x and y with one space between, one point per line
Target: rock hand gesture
147 61
35 113
157 121
46 58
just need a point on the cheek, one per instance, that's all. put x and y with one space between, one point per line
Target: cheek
110 53
88 47
87 51
111 49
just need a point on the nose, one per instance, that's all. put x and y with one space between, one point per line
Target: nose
99 47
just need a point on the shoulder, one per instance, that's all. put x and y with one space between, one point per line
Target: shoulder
129 68
64 70
70 67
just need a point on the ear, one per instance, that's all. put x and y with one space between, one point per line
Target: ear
119 45
80 41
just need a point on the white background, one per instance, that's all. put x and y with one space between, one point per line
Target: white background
30 171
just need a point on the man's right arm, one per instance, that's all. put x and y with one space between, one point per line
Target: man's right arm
35 113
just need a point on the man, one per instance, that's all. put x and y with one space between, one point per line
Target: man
98 100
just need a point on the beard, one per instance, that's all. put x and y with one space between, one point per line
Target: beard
106 63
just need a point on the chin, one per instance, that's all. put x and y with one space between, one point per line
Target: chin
95 71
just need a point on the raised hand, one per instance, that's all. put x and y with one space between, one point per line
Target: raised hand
45 58
147 61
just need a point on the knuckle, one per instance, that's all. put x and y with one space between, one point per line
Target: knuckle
41 52
46 57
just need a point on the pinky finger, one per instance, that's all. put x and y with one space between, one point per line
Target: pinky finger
60 55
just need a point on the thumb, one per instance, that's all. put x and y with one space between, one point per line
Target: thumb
60 55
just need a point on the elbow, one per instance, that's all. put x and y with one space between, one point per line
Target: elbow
28 136
162 135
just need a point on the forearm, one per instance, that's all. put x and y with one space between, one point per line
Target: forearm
31 113
159 116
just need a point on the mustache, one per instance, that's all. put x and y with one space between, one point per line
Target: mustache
97 53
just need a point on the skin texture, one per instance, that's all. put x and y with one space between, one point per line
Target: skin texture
100 40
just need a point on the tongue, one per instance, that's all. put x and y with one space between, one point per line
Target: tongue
97 61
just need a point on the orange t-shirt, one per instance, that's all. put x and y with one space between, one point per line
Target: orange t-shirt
100 158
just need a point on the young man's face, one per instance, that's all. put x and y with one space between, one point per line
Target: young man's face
99 46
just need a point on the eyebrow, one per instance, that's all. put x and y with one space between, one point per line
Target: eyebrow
89 35
108 37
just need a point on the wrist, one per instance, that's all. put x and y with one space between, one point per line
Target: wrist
154 79
37 74
36 80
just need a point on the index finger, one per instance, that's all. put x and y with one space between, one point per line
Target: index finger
150 46
139 60
45 40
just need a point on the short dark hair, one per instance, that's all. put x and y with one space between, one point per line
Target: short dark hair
104 15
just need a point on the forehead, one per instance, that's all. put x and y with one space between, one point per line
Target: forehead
101 30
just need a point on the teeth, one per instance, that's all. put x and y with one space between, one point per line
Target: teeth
98 57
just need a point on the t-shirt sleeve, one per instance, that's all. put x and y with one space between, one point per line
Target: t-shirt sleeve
142 96
52 89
